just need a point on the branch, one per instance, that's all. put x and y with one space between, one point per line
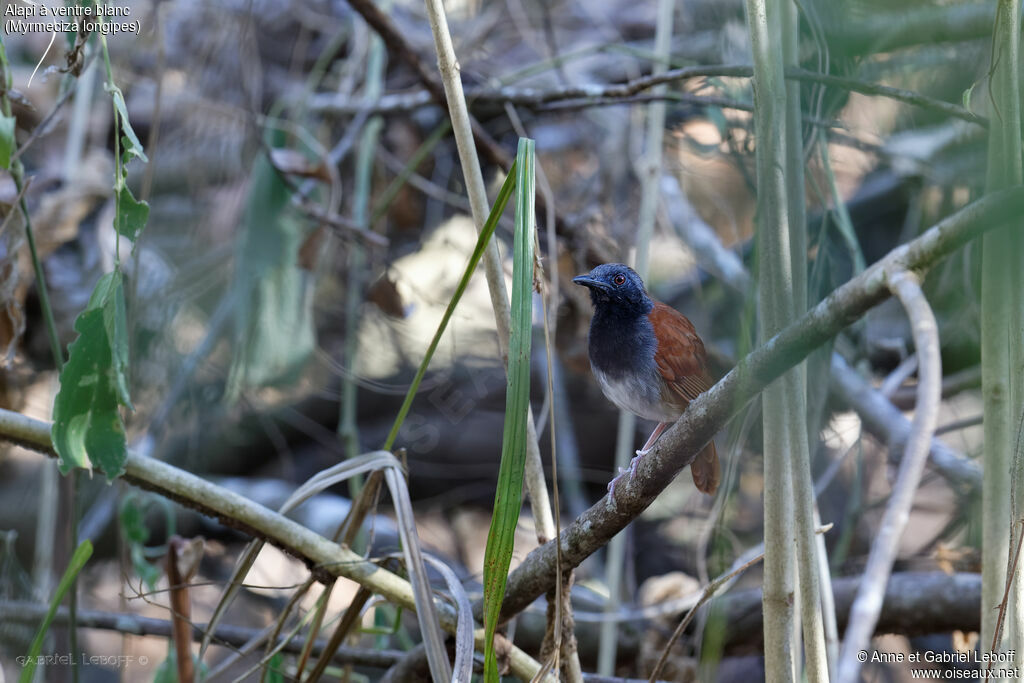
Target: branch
915 603
710 412
230 636
952 384
626 91
885 421
397 43
879 417
324 558
864 613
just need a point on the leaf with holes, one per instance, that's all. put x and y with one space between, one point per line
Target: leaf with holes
109 296
131 214
87 426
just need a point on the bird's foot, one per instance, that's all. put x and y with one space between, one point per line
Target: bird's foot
631 471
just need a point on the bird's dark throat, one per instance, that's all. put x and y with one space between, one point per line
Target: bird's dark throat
621 338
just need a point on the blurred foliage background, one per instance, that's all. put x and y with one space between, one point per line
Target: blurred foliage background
279 285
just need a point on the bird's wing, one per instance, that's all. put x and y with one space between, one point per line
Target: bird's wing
682 362
680 355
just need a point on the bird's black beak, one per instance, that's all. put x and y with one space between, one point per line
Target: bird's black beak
590 282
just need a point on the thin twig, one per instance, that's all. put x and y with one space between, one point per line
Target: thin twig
957 425
397 43
1001 619
705 595
952 384
464 131
648 170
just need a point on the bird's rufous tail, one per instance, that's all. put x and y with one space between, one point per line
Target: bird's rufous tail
706 471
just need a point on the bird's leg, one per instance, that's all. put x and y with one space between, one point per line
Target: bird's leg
631 470
658 431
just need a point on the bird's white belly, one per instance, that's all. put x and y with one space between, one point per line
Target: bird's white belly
641 398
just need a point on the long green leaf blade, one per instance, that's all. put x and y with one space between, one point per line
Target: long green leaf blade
508 499
7 140
78 560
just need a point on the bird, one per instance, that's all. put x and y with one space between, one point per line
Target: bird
648 359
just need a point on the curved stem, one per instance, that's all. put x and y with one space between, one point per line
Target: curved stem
866 607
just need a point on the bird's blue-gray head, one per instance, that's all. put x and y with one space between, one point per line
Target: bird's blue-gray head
617 288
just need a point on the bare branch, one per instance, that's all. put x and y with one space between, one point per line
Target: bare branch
226 635
866 608
885 421
915 603
627 91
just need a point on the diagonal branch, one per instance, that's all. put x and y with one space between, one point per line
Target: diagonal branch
709 413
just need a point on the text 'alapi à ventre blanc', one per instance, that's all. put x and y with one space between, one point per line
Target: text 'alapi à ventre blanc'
65 11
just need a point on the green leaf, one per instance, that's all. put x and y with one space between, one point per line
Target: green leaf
966 97
275 669
115 322
167 672
147 571
508 498
274 334
78 560
7 141
87 426
134 147
135 533
133 521
131 214
504 194
109 297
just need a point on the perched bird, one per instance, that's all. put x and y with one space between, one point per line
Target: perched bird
647 358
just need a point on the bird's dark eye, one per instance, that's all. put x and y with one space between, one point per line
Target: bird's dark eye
619 280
